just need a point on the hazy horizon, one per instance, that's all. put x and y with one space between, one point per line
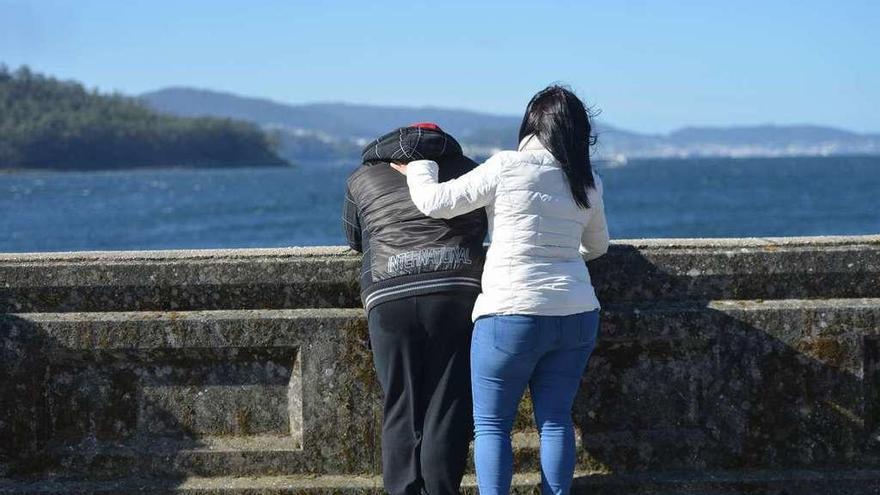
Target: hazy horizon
438 107
510 115
649 66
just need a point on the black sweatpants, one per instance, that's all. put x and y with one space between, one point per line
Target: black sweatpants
421 350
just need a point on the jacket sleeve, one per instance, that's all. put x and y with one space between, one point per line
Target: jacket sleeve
351 222
595 239
471 191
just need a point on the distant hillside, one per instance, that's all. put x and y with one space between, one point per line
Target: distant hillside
50 124
338 130
334 119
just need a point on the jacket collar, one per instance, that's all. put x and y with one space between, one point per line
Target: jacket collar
531 143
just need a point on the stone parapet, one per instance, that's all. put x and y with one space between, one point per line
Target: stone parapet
723 366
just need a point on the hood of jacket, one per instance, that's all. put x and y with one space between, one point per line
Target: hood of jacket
421 142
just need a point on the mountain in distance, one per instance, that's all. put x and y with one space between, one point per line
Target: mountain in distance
336 119
322 132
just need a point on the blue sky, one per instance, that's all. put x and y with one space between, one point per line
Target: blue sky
648 65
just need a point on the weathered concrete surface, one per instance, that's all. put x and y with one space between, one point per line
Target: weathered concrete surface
180 280
632 271
724 366
199 392
724 385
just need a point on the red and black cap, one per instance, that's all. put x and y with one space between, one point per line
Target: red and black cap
419 141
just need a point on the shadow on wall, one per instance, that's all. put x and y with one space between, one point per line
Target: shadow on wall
71 413
102 397
700 386
104 414
23 411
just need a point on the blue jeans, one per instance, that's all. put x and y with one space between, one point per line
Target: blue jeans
547 353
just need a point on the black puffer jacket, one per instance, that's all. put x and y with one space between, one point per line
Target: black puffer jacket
405 252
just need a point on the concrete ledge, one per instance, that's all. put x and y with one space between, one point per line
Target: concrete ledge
179 254
323 251
178 281
633 271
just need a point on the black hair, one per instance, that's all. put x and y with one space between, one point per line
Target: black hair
560 121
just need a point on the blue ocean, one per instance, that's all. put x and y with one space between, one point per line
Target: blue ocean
301 206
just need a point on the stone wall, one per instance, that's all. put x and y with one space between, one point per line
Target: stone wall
723 366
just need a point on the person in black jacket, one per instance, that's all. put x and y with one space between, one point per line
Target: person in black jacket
419 281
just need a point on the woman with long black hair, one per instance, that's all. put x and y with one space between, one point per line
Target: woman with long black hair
537 315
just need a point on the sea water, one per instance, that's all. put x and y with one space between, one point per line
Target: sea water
301 206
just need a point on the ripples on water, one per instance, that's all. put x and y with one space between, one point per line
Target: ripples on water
263 207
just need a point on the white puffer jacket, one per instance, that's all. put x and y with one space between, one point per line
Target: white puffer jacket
539 235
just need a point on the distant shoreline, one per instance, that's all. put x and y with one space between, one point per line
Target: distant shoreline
26 171
631 159
336 163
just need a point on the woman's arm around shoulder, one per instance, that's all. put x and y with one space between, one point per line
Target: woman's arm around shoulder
473 190
595 239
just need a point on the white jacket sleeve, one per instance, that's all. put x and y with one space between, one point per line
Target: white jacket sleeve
473 190
595 239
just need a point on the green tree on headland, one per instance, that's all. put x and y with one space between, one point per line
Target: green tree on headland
57 125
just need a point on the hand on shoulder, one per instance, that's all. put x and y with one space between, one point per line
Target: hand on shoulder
399 166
